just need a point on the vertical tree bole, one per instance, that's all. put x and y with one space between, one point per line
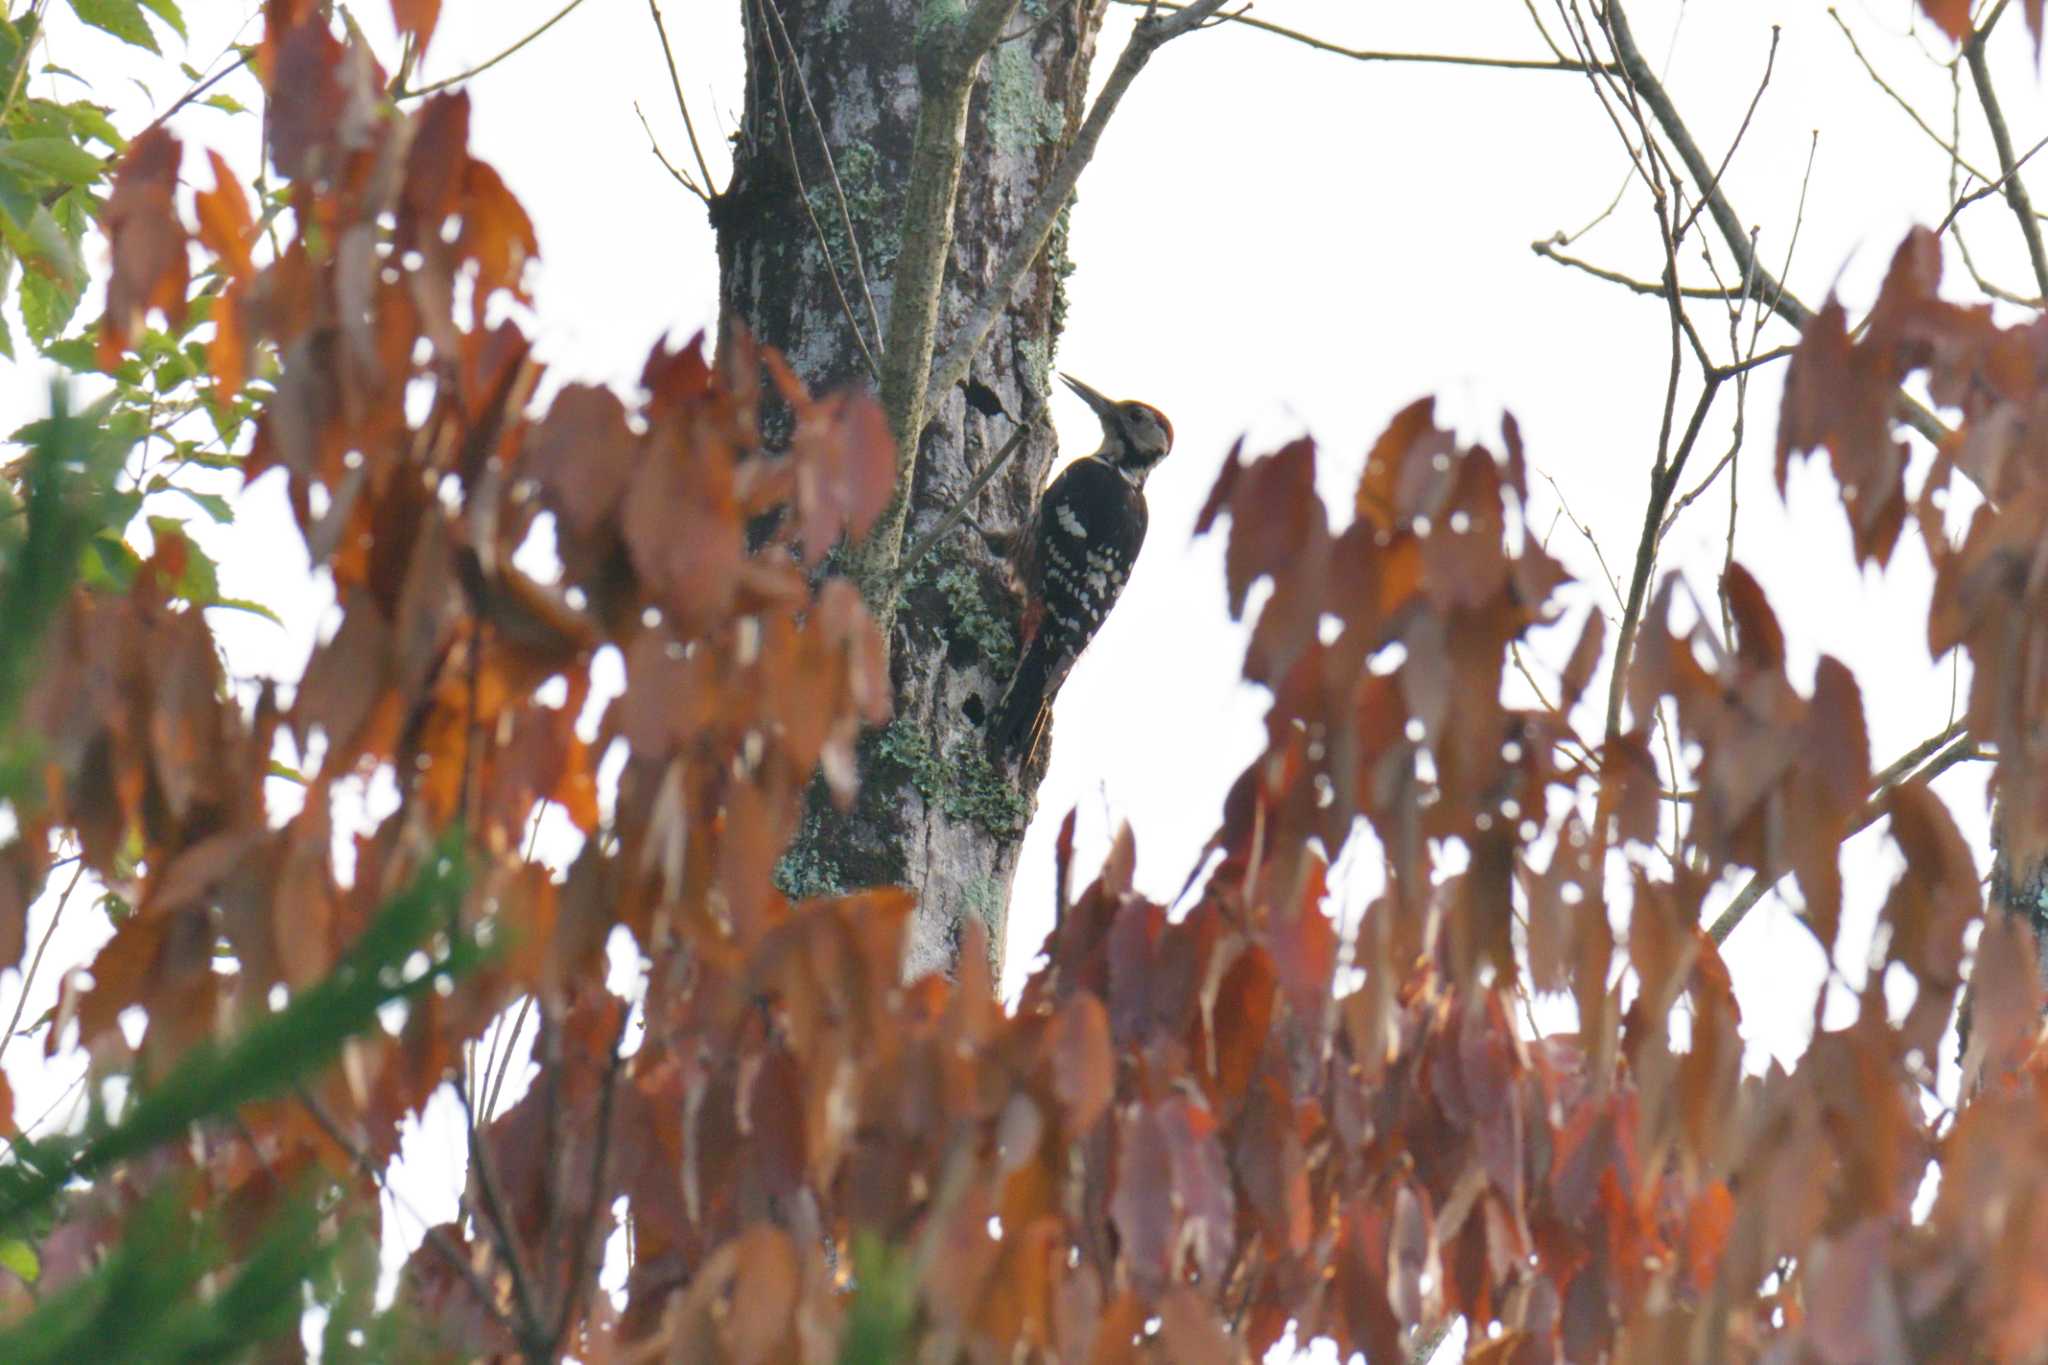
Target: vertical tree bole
933 814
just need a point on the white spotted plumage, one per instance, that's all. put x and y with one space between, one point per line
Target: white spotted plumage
1085 539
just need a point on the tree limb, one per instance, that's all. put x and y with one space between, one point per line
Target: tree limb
2001 138
1358 54
947 63
483 66
1150 35
1906 768
1770 290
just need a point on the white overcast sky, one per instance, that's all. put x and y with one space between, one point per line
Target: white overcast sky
1272 241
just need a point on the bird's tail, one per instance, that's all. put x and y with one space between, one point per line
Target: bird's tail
1019 718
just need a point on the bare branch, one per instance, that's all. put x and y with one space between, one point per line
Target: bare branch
953 516
1149 36
580 1257
1548 250
682 105
2001 138
435 1237
1770 65
681 177
947 63
1365 55
1955 156
29 977
1663 480
481 67
1780 299
1906 768
499 1224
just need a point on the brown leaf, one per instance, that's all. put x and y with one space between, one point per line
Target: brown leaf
582 454
1083 1067
1585 659
146 240
307 97
496 233
1192 1332
2005 1000
845 469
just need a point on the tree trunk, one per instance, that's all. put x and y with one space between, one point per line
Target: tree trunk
933 814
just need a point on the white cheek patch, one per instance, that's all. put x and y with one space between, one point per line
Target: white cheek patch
1070 523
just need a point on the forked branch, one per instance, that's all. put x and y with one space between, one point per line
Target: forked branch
1151 34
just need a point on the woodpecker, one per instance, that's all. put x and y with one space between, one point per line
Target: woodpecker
1079 551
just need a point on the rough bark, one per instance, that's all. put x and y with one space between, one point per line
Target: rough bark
933 813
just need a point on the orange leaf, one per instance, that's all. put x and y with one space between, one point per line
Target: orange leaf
416 17
1706 1232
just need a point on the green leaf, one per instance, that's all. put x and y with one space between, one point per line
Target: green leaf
89 120
19 1257
244 604
74 354
109 563
213 504
287 772
226 103
45 306
56 157
167 10
122 18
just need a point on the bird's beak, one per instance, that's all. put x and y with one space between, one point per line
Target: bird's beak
1104 407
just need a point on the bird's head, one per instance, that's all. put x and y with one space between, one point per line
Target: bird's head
1135 436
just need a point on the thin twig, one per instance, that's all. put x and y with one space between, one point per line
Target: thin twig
1770 64
1955 155
580 1257
803 196
481 67
435 1236
1781 300
29 977
954 514
241 60
1548 250
1149 36
1990 189
681 177
803 87
1959 747
1662 481
2001 138
682 105
1364 55
499 1225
